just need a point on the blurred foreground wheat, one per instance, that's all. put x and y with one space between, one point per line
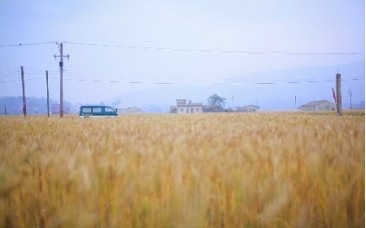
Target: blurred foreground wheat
209 170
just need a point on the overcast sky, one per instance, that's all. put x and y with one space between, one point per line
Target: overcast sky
193 42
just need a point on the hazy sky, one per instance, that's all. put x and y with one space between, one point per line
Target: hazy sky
192 42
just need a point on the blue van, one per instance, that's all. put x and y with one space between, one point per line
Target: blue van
87 111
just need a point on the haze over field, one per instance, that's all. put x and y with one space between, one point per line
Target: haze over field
148 53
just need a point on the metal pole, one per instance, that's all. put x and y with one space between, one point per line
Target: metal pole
339 94
24 104
48 96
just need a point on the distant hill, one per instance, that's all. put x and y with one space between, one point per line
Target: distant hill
14 105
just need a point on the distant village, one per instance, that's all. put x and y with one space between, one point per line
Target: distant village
13 106
182 106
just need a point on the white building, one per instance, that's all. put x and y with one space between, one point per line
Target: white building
248 108
184 107
322 106
129 110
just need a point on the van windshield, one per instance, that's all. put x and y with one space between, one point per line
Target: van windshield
109 110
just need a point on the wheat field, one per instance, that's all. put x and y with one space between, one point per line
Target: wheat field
203 170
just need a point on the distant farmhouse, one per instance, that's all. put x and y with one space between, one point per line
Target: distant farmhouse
190 107
129 110
184 107
248 108
321 106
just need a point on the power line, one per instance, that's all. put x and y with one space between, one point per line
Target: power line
221 82
26 44
103 76
8 74
125 77
200 50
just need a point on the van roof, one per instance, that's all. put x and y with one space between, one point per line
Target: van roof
92 106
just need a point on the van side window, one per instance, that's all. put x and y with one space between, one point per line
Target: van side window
97 110
107 109
86 110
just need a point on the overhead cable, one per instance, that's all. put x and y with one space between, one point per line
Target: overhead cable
201 50
27 44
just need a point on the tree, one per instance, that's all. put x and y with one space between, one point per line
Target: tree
216 102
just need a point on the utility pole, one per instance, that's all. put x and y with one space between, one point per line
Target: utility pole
48 95
350 99
339 94
6 113
24 104
61 64
295 103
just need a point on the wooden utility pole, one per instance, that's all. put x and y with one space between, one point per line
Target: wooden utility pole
24 104
350 99
48 96
339 94
295 103
61 64
6 113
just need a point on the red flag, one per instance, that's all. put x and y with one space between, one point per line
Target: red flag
334 96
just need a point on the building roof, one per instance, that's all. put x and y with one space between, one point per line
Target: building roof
315 103
183 103
189 104
249 106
